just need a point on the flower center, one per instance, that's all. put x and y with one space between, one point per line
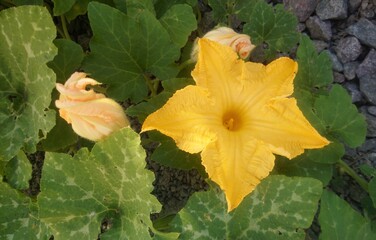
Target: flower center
231 121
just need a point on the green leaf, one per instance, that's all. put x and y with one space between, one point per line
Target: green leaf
273 26
68 59
127 50
220 10
19 216
26 35
161 6
143 109
372 190
62 6
341 117
110 183
315 70
179 21
280 208
27 2
301 166
330 154
168 154
339 220
18 171
134 7
60 137
78 8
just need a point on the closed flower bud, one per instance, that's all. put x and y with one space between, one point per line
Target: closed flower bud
92 115
240 43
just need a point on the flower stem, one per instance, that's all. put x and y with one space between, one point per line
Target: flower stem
346 168
65 29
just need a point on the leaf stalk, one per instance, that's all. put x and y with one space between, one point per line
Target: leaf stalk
347 169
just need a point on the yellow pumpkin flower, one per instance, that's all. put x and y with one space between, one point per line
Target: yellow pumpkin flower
92 115
237 115
240 43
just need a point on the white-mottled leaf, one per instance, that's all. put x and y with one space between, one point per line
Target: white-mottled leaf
26 35
280 208
19 216
109 183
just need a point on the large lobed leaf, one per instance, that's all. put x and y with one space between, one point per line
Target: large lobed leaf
126 50
19 216
110 183
26 35
341 117
273 26
280 208
339 221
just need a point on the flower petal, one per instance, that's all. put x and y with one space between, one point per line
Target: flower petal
219 70
284 127
188 117
237 164
267 82
93 119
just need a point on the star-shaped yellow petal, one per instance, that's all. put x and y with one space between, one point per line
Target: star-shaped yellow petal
238 115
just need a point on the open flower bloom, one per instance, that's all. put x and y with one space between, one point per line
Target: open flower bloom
92 115
240 43
238 115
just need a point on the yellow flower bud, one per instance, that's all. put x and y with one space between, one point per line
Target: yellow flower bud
240 43
92 115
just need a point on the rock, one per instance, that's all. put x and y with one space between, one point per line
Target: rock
354 5
338 77
349 70
371 123
332 9
368 66
353 89
301 27
301 8
365 31
320 45
319 29
348 49
372 110
336 64
367 85
368 146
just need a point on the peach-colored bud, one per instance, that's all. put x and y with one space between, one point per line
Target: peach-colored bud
240 43
92 115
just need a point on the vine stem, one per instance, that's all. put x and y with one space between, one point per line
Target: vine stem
346 168
65 29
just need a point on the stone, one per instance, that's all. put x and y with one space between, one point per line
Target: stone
372 110
368 66
367 85
331 9
318 29
354 5
365 31
336 64
320 45
371 123
368 146
301 8
353 90
348 49
349 70
338 77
